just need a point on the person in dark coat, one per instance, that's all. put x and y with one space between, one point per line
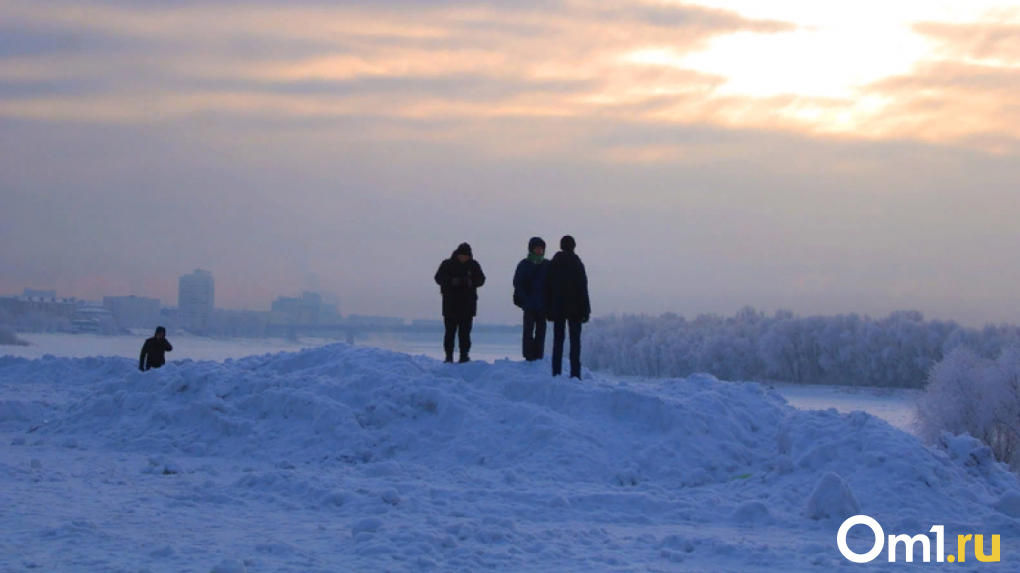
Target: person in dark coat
154 351
459 279
529 294
567 304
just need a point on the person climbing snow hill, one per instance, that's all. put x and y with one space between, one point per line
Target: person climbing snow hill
154 351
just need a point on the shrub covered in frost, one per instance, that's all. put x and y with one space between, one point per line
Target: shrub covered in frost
978 396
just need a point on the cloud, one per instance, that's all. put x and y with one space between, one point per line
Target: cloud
968 103
987 41
269 140
234 58
22 40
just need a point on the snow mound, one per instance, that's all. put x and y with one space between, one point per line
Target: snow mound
752 513
832 498
370 407
393 415
20 411
229 566
501 466
1009 504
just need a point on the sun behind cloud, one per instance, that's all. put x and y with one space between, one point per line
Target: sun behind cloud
865 69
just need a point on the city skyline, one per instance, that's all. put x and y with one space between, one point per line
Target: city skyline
821 157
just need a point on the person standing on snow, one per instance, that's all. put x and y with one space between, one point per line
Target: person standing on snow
154 351
567 303
529 295
459 278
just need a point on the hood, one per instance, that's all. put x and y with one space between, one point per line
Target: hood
463 249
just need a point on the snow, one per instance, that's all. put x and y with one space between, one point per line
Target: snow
1009 504
893 405
190 347
230 566
832 498
340 458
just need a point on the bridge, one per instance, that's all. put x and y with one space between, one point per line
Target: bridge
350 331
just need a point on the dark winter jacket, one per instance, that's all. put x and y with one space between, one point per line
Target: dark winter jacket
459 283
529 284
566 288
154 349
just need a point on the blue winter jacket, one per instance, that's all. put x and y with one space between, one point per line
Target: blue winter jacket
529 283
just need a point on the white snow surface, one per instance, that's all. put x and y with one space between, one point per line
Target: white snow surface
359 459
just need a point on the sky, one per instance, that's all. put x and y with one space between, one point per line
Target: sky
823 157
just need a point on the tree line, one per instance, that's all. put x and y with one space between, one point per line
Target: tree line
895 351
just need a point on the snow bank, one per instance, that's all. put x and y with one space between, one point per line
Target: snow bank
441 463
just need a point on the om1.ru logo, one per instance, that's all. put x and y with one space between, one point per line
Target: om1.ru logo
908 542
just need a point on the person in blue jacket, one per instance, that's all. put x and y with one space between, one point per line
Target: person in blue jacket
529 295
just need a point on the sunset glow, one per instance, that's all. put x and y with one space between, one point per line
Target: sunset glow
353 96
832 64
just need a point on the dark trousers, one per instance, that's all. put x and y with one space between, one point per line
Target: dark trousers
559 334
533 344
458 327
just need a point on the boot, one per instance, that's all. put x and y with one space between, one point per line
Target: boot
464 358
449 357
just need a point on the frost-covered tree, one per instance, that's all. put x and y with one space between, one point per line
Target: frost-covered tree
895 351
970 394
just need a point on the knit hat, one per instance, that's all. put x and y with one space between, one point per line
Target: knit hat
160 330
568 244
535 243
463 249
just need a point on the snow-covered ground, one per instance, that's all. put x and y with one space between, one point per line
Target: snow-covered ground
360 459
200 348
896 407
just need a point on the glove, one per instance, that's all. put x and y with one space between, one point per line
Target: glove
584 319
455 281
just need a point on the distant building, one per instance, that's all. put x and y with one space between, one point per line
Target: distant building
91 318
168 318
329 314
304 310
196 298
375 320
427 322
239 323
38 314
36 294
133 311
